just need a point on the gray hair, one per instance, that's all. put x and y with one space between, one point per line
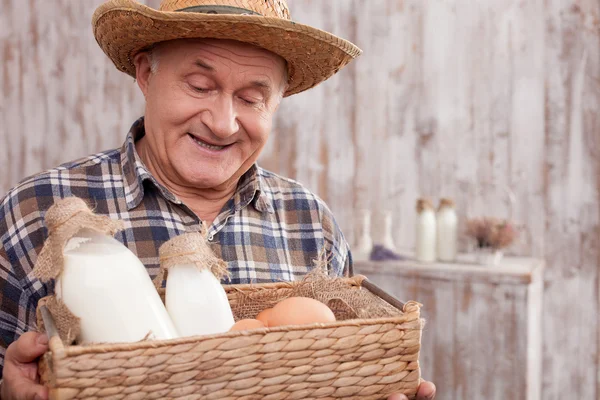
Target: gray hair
153 58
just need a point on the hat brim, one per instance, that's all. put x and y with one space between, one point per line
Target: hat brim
123 28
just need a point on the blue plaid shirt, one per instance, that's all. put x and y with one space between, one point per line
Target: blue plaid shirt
272 229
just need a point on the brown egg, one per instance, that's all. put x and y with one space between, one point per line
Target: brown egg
247 324
264 316
299 311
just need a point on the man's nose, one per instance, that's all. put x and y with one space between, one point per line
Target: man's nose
222 119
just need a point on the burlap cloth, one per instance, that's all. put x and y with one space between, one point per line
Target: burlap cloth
189 248
345 300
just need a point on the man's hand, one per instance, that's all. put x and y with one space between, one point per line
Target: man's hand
20 376
426 392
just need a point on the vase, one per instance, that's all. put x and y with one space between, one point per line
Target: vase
489 257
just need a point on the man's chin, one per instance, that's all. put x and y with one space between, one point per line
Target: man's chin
207 182
205 175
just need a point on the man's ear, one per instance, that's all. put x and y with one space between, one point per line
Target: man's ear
143 71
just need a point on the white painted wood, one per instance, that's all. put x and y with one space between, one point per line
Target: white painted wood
465 99
572 199
535 296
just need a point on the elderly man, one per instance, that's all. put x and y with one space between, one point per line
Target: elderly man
213 74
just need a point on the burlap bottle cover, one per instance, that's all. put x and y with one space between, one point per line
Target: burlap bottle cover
189 248
64 220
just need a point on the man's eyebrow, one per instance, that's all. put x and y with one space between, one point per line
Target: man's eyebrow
265 85
260 84
202 64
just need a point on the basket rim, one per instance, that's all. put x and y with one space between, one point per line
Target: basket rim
356 280
56 346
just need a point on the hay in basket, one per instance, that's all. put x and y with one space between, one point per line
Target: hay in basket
370 352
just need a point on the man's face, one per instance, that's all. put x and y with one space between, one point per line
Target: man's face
209 108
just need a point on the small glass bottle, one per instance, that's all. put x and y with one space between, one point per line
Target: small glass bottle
195 298
447 231
388 239
364 245
426 231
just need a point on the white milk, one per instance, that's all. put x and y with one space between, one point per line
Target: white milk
364 246
388 239
196 301
447 231
108 288
426 233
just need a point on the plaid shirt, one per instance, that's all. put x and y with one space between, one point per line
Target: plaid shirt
271 230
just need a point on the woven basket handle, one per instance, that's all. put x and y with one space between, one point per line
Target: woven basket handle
376 290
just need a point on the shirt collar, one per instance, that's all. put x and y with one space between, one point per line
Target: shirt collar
251 188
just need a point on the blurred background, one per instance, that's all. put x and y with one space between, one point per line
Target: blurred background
467 99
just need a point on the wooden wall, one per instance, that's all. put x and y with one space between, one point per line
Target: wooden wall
453 98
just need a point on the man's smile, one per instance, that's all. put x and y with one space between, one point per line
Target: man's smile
206 145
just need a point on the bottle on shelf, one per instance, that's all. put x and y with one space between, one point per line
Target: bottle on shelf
388 239
426 232
364 244
447 231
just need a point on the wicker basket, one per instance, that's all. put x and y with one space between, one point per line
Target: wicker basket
350 358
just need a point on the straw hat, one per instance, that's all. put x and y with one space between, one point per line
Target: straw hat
125 27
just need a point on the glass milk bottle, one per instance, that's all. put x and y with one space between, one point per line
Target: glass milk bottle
388 239
364 244
426 232
447 231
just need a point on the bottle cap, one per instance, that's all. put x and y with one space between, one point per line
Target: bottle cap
424 204
446 203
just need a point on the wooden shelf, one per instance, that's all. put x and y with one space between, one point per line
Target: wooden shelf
510 270
482 338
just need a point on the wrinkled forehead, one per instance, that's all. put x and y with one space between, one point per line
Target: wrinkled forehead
234 49
191 51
